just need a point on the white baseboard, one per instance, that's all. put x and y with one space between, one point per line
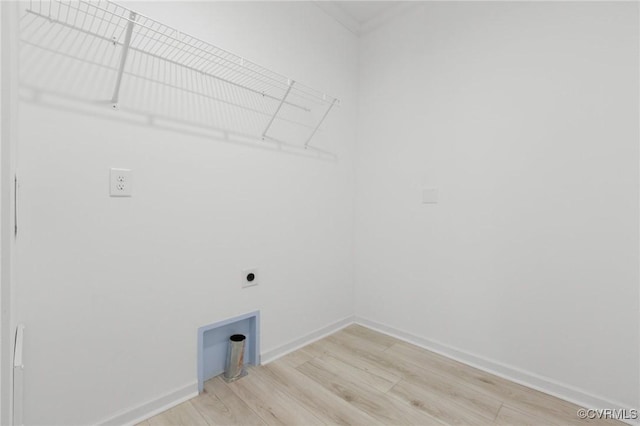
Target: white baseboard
543 384
149 409
273 354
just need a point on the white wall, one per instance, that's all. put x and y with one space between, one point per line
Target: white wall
112 291
525 116
8 132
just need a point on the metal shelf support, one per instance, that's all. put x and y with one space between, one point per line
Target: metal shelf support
275 114
123 58
306 144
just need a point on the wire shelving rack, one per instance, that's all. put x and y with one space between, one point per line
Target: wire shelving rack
134 32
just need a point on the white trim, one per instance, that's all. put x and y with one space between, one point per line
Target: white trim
151 408
146 410
344 18
293 345
532 380
543 384
387 16
337 13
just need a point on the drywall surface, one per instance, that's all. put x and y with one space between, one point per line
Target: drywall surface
524 116
113 290
8 135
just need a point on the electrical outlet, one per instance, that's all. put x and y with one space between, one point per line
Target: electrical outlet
249 277
120 183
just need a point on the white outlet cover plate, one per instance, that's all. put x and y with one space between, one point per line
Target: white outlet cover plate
120 183
430 196
247 283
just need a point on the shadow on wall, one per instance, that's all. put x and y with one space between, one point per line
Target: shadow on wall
68 64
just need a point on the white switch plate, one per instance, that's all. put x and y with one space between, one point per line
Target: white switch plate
120 183
247 279
430 196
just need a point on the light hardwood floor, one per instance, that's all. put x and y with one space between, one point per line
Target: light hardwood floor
360 377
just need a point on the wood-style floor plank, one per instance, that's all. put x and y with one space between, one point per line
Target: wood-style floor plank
218 387
381 340
509 416
367 377
441 407
315 397
414 373
553 410
348 356
183 414
378 405
270 403
296 358
227 411
358 376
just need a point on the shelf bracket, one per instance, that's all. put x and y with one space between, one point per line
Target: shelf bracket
306 144
123 58
275 114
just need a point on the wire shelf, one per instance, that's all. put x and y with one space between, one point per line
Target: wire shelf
137 34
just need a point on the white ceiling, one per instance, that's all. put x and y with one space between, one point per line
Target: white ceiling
362 16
